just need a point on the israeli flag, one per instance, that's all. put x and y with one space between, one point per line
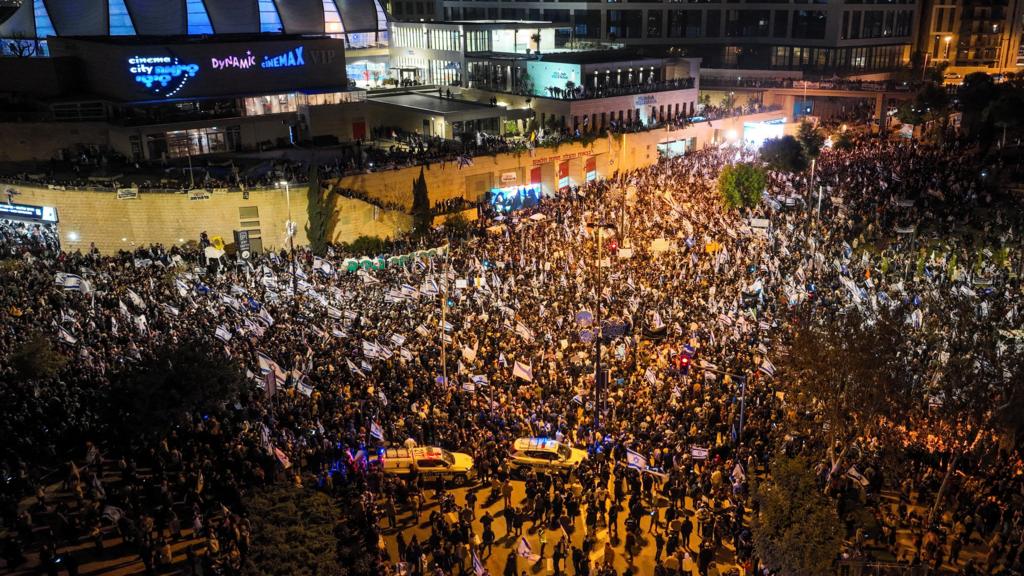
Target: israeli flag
767 368
523 549
136 299
376 431
524 371
635 460
223 334
66 336
480 380
478 566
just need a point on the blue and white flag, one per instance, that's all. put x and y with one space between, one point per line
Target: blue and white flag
172 310
478 566
265 317
635 460
334 313
523 549
480 380
524 371
223 334
397 339
423 331
338 333
322 266
376 431
650 377
767 367
136 299
524 332
181 286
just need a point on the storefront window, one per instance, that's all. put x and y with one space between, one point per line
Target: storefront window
181 143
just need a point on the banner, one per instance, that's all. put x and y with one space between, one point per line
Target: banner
127 193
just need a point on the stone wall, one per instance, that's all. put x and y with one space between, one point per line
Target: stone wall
98 216
91 216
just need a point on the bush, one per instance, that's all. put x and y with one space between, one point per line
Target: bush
741 185
366 246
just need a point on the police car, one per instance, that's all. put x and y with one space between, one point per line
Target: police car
544 455
429 461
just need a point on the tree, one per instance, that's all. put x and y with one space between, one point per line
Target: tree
843 142
457 225
811 140
977 91
847 369
320 209
796 531
422 216
34 359
292 532
741 185
784 154
193 376
1006 112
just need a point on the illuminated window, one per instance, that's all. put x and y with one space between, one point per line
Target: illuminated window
198 19
120 19
332 20
270 20
44 27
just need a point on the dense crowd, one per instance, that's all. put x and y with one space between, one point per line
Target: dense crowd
379 357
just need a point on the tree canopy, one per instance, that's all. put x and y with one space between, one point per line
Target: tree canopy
741 185
797 530
293 532
784 154
421 214
194 376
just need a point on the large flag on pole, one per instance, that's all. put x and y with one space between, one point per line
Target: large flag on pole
478 566
767 367
524 371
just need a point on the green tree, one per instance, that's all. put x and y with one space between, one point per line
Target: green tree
292 532
784 154
796 531
320 210
1006 112
34 359
193 376
741 185
422 217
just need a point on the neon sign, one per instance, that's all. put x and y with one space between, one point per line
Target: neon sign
158 73
290 59
240 62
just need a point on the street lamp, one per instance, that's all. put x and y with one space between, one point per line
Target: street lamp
289 228
948 39
598 376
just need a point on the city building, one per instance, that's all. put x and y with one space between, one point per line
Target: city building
590 90
973 35
842 36
435 52
361 24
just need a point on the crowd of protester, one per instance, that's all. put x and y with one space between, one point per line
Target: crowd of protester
366 360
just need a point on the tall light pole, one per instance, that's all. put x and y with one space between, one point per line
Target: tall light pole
599 382
290 230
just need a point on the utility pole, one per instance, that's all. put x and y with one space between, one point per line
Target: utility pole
290 230
599 382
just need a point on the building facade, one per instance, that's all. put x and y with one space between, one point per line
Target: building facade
841 35
973 35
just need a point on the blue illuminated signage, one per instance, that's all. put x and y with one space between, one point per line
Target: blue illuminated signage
164 75
290 59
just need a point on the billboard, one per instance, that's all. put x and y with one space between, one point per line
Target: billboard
755 133
544 75
143 71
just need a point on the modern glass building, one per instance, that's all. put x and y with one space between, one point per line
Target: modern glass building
809 35
360 23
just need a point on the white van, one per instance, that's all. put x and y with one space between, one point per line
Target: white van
544 455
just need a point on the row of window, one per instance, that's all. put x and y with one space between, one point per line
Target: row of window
862 58
806 24
876 23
